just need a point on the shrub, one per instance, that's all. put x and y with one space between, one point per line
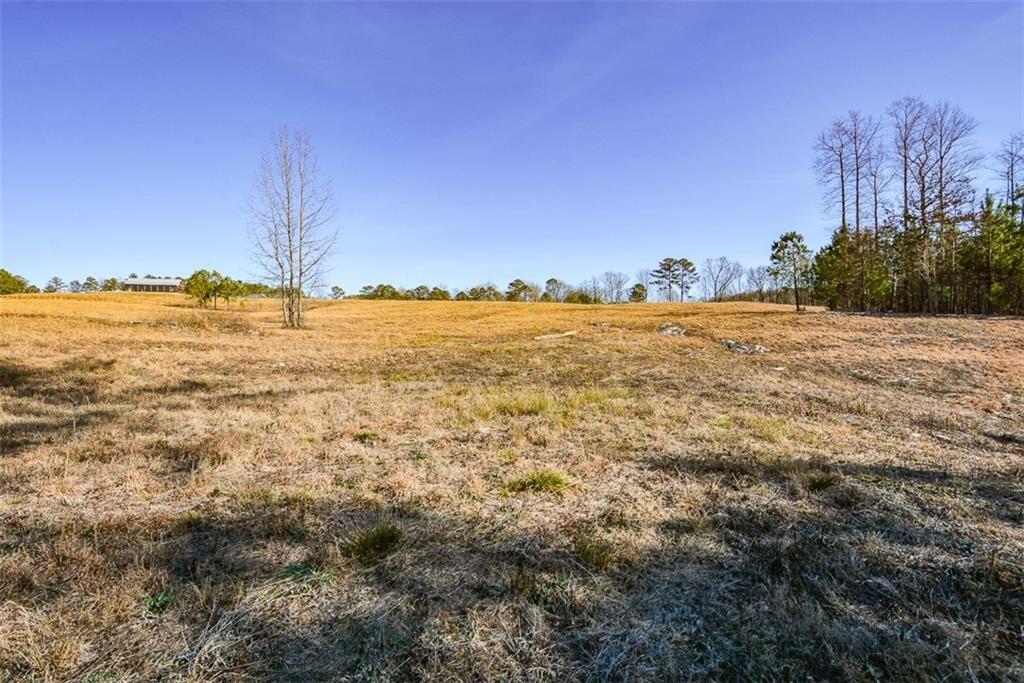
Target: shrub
594 552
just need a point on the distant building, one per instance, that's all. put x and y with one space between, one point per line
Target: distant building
152 284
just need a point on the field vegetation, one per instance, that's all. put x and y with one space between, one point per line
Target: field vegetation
449 490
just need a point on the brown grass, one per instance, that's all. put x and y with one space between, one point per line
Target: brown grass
202 495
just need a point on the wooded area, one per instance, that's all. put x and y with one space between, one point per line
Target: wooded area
913 235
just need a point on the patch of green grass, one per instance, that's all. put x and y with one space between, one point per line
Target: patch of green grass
157 603
542 480
593 551
545 403
262 499
820 481
375 544
521 404
366 437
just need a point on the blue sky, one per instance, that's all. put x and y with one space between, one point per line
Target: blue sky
466 141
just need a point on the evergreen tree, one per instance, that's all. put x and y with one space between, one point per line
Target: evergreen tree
791 262
638 293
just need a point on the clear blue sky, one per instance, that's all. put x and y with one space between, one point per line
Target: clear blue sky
466 141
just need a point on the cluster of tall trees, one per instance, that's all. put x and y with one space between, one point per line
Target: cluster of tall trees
15 284
913 235
209 286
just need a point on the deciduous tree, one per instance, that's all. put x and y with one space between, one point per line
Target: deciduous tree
293 212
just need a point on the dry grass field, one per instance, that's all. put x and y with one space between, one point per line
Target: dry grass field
411 490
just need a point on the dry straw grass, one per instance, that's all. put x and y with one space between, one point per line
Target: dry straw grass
424 490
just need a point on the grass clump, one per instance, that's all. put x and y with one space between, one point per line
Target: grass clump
375 544
517 405
545 403
544 480
594 551
820 481
366 437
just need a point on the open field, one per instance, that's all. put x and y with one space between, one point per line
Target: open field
417 489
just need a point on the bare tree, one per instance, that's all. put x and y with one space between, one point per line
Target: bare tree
878 177
956 158
861 133
643 276
593 288
292 211
614 286
832 165
757 279
907 117
719 277
1011 166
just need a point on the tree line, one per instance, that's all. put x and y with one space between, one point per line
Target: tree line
913 235
672 279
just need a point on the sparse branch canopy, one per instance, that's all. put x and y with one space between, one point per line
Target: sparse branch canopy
720 277
292 218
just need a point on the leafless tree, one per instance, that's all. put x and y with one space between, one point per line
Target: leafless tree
832 164
879 176
614 286
956 158
643 276
719 277
907 117
757 280
292 215
1011 166
593 288
861 133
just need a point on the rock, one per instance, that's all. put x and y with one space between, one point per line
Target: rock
556 335
737 347
670 330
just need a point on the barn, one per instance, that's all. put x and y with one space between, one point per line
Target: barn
152 284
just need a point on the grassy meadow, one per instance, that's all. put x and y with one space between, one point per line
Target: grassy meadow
410 490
